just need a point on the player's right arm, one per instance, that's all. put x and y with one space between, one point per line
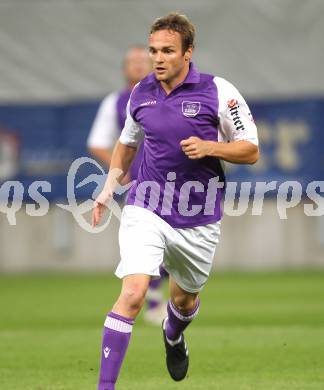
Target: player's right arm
122 158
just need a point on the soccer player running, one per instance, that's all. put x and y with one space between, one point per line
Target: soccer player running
190 121
104 133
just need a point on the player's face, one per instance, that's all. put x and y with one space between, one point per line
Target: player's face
170 64
137 65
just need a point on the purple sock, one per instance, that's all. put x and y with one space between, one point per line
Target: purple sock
177 322
116 336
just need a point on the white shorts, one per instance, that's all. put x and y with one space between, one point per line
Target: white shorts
147 242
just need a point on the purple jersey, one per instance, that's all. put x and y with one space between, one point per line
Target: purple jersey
189 110
183 192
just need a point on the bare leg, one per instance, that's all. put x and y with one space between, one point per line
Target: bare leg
132 296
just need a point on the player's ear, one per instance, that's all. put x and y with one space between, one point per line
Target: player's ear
188 54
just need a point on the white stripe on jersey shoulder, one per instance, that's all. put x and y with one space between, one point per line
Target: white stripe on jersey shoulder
132 133
226 92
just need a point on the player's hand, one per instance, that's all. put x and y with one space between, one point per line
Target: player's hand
100 206
196 148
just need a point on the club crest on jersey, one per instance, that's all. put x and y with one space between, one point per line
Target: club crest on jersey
190 109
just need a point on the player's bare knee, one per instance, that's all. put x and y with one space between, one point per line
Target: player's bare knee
133 298
185 303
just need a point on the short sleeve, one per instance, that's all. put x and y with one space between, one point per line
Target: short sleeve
235 118
133 133
105 131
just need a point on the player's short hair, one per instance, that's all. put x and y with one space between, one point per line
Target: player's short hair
179 23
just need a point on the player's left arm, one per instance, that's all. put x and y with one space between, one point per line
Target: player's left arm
237 136
237 152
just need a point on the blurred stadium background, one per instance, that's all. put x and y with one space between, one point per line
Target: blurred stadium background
58 59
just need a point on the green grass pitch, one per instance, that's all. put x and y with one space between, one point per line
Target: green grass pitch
254 332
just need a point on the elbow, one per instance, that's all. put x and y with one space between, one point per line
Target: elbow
254 157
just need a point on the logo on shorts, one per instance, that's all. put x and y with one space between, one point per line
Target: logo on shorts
190 109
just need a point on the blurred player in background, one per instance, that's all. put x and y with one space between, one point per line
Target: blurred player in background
105 132
191 122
